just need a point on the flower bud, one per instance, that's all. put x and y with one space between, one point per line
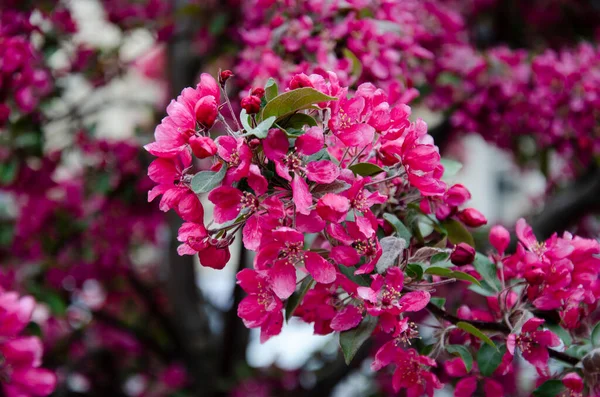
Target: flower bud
251 104
499 238
463 254
259 92
457 195
224 76
472 218
300 81
206 111
202 146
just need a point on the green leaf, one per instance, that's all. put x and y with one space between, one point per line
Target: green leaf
8 171
402 230
484 289
366 169
562 333
475 332
439 257
595 337
438 271
322 154
205 181
445 272
261 130
352 340
414 271
464 277
357 68
296 298
489 358
244 120
439 302
463 353
487 270
297 121
457 233
550 388
271 89
292 101
451 167
360 279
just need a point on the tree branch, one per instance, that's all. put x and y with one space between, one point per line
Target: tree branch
489 326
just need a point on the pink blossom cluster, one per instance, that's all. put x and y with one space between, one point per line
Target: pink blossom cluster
384 42
561 273
324 184
508 98
24 78
331 176
20 370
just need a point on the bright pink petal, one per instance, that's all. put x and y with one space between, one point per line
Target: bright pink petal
301 195
252 233
466 387
276 144
333 207
345 255
310 142
414 301
322 271
283 279
323 171
347 318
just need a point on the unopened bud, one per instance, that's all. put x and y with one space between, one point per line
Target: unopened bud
463 254
224 76
472 218
251 104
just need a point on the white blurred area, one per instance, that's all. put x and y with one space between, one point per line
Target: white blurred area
499 190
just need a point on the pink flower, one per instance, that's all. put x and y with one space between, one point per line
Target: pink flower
411 371
533 344
179 126
359 236
348 121
237 155
384 296
195 240
262 307
420 158
169 173
288 244
333 207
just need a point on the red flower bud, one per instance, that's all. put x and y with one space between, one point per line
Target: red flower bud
472 218
259 92
206 111
202 146
499 238
300 81
251 104
224 76
463 254
457 195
